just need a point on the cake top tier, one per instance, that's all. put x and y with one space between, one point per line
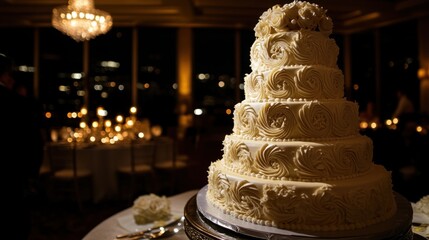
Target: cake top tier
293 16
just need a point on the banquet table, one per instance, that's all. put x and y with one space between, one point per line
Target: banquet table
104 159
110 227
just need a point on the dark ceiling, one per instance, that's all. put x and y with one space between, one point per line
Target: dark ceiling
348 15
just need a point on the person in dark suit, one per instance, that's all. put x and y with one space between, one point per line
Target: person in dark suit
37 119
19 153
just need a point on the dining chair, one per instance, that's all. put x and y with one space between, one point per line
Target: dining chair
68 179
45 168
45 173
137 176
171 168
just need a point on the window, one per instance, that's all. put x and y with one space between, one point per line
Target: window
110 71
214 76
18 44
61 85
157 70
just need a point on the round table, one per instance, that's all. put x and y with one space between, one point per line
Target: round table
109 228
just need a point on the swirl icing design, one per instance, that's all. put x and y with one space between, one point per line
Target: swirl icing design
286 205
272 161
346 119
316 120
253 86
275 121
312 162
245 120
276 51
324 207
310 82
244 197
280 202
219 184
288 49
303 163
312 48
281 83
333 84
319 208
348 160
237 155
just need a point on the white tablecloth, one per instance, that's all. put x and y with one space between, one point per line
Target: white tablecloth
104 159
109 228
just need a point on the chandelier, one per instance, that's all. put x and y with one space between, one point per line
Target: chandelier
80 20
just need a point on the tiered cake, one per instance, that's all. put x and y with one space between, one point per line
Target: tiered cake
296 159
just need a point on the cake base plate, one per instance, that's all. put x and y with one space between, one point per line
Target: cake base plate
204 221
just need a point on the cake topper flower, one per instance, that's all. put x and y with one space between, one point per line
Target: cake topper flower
293 17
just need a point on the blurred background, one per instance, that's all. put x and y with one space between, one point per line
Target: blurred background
171 58
177 67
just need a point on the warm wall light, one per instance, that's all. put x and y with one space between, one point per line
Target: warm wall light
80 20
423 73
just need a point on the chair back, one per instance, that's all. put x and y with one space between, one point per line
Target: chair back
132 176
67 177
168 166
166 152
63 157
142 153
172 154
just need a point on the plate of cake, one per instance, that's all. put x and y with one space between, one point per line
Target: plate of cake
149 211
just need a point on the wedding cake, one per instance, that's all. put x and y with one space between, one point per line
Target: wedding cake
295 158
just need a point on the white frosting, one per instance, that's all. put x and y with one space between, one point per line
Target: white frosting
293 34
296 119
293 17
316 206
298 160
295 159
310 82
293 48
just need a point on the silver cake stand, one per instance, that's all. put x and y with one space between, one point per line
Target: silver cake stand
204 221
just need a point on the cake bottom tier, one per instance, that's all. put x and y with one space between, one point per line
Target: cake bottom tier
204 221
338 205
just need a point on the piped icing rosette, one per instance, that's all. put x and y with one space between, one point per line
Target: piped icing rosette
292 17
275 121
293 34
254 86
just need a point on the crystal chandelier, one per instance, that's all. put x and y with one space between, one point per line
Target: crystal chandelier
80 20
